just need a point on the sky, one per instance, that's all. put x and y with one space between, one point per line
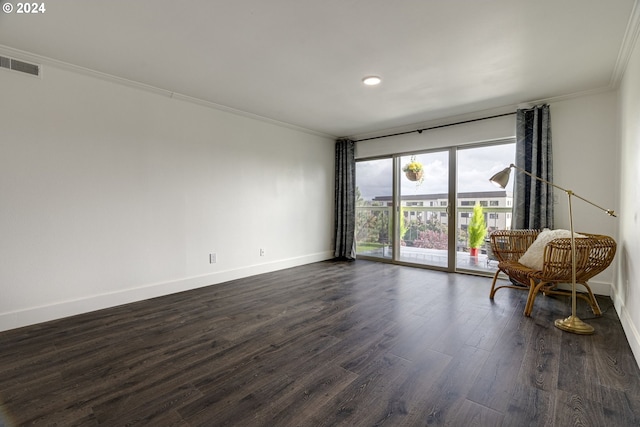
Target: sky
475 167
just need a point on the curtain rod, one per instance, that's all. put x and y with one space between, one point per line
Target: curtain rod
435 127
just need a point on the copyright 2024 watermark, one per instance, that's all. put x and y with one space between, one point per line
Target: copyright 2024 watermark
24 8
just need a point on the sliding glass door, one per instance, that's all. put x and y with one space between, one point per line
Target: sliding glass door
433 208
481 206
403 216
423 224
374 208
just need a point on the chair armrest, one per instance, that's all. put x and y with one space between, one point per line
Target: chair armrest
594 254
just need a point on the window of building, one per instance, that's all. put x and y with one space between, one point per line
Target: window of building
494 203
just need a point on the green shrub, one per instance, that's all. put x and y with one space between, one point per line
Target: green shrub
477 227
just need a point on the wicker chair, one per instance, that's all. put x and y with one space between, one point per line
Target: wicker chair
594 253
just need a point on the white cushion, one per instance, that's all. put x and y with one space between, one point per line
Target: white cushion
534 256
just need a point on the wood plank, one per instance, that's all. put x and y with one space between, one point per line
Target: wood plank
530 406
495 384
474 415
541 360
573 409
447 390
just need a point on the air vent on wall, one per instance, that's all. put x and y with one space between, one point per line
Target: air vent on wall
23 67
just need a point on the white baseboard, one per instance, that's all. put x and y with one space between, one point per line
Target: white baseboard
598 288
630 330
34 315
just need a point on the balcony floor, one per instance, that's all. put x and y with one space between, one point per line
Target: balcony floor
435 258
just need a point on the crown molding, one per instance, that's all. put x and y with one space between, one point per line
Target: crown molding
626 48
45 61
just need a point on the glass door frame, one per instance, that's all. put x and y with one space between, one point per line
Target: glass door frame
451 208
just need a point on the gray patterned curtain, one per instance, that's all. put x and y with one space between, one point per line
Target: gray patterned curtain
345 202
533 199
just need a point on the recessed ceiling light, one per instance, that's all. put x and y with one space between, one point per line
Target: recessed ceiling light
371 80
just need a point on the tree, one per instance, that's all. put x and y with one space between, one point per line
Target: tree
477 228
403 225
359 200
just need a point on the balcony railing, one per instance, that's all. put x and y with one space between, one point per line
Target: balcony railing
373 231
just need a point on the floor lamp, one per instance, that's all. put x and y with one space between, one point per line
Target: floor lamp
571 323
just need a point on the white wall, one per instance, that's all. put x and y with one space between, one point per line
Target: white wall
627 285
111 194
586 160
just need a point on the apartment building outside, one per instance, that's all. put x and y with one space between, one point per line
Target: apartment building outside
497 207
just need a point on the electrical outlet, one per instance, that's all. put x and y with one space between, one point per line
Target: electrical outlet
262 252
212 258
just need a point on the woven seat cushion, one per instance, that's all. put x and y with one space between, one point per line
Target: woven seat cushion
534 256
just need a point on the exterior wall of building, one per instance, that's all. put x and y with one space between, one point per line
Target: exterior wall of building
497 206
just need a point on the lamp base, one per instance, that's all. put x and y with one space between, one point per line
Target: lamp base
574 325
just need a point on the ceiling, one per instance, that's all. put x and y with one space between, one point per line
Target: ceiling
301 62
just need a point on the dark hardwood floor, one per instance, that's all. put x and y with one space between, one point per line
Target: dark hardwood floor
331 343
